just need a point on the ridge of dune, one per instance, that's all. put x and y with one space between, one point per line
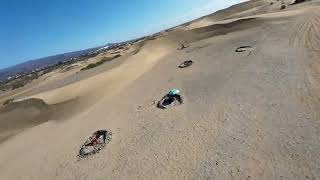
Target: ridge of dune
228 13
115 79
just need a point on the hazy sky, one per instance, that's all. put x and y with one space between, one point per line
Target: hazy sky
37 28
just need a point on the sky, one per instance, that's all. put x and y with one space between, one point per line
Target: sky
31 29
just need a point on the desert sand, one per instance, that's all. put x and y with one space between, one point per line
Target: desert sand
246 115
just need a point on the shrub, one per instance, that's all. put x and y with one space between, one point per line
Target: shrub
103 60
17 85
8 101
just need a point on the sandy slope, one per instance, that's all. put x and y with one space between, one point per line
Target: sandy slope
246 115
114 79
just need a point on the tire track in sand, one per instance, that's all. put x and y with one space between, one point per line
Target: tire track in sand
306 31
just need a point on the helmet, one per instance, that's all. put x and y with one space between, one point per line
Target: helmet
174 92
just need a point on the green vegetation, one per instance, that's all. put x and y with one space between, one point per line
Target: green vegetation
18 84
103 60
93 65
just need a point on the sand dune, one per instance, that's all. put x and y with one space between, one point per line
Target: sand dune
116 78
18 116
244 9
246 115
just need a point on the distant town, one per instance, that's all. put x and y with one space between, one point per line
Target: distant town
22 78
